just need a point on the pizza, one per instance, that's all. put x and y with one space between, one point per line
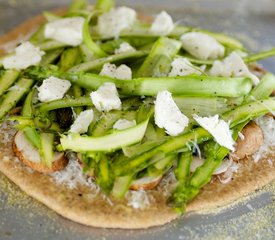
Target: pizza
113 121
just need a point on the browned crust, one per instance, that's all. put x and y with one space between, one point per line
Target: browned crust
57 165
79 207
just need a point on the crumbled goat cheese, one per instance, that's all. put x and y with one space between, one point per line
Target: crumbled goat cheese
139 199
110 24
124 47
106 97
182 67
25 55
163 24
66 30
53 88
197 162
124 124
267 124
168 115
202 46
82 122
218 128
122 72
232 66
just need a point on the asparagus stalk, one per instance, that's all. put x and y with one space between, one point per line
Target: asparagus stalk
203 106
7 79
46 149
29 131
121 186
107 121
64 103
69 58
104 177
107 143
263 90
203 86
12 97
95 64
88 41
159 59
104 5
77 5
259 56
249 111
51 56
142 161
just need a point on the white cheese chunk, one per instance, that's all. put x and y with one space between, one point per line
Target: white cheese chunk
124 47
53 88
183 67
106 98
82 122
163 24
168 115
218 128
232 66
122 72
122 124
202 46
110 24
66 30
25 55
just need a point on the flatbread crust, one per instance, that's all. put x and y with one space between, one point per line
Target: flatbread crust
78 205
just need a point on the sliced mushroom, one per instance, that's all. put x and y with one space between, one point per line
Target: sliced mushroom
197 162
30 156
250 142
146 183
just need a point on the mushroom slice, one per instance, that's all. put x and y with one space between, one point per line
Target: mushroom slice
30 156
250 142
146 183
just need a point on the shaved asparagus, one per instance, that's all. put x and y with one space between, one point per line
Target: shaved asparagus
159 59
7 79
104 5
107 143
186 85
95 64
63 103
138 163
13 96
